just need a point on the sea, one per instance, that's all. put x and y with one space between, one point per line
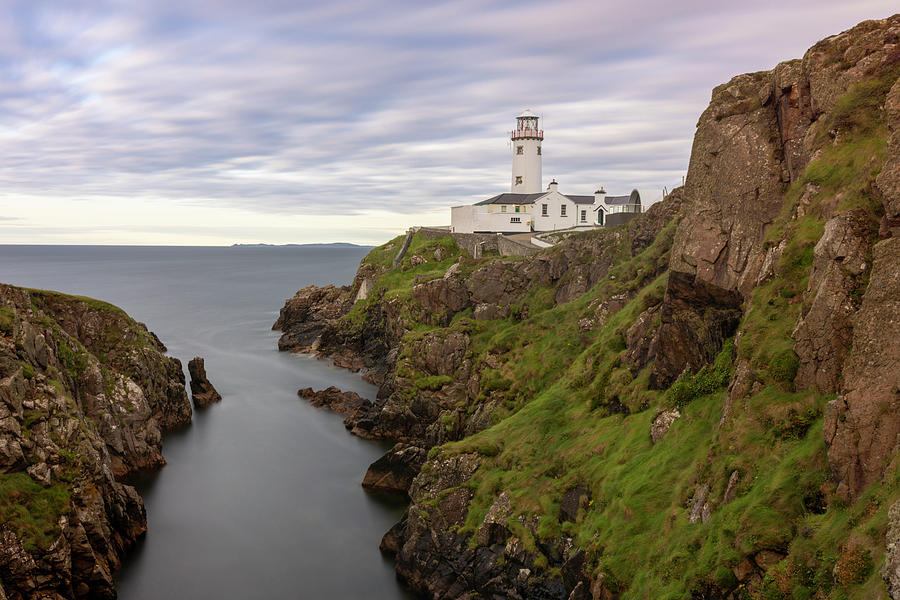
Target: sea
261 496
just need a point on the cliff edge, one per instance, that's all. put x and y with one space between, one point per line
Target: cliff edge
702 403
85 392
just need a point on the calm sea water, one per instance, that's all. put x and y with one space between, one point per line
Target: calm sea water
261 497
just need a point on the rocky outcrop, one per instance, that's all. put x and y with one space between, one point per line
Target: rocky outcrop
407 408
84 395
394 472
757 136
332 398
862 425
696 318
826 330
736 252
202 391
889 178
304 316
662 422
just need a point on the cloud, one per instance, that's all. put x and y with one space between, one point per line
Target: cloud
286 110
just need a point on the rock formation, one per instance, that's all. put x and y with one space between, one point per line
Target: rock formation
84 395
757 305
202 391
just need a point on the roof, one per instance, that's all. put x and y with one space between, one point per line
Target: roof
511 198
527 113
580 199
633 198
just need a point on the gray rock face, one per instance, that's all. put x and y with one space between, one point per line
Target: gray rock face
662 422
700 509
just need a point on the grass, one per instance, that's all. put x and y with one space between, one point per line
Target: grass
575 415
7 318
32 510
44 296
709 379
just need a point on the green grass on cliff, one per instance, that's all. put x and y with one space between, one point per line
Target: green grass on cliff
565 432
574 414
43 296
32 510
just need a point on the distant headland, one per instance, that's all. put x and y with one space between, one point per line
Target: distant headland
325 245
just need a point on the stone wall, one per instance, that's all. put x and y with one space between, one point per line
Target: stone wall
613 219
478 243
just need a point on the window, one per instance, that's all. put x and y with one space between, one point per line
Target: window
517 208
539 150
502 208
562 210
543 210
518 179
583 216
515 219
520 150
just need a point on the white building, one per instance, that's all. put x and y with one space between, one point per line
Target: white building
527 208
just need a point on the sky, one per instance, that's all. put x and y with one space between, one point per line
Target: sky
212 122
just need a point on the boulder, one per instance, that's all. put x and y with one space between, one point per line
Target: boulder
661 423
395 471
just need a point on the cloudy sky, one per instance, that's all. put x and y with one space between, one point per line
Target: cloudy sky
210 122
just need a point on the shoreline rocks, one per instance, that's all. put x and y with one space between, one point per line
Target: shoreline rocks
85 394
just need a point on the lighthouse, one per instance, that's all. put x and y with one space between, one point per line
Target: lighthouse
526 149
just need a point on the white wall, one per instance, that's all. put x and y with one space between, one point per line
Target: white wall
502 222
462 219
554 219
526 165
472 219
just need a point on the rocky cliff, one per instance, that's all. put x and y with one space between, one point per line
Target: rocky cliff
85 392
702 403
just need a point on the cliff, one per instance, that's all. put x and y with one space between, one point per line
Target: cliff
701 403
85 392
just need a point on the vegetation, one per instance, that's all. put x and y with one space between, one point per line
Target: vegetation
574 412
31 509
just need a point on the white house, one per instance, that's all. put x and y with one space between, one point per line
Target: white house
527 208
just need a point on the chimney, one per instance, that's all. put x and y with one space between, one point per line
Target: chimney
552 187
600 196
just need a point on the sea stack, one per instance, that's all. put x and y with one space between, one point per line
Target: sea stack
202 391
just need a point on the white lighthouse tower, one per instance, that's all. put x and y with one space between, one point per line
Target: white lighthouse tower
526 149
